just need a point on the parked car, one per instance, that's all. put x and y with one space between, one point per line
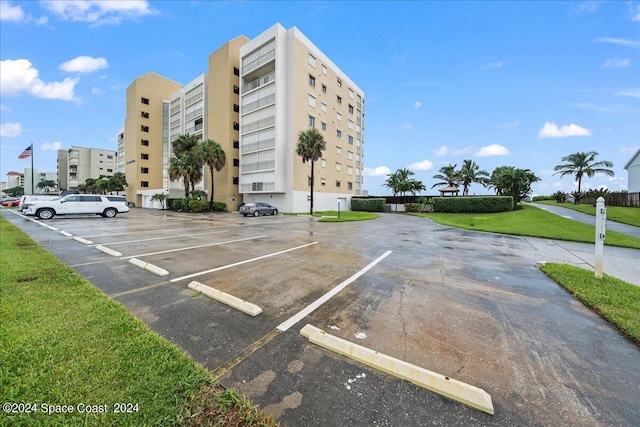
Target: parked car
29 199
257 209
11 201
79 204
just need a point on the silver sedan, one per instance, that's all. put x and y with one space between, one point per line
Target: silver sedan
257 209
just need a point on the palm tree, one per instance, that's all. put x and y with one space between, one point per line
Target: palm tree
469 173
393 183
46 185
211 154
310 146
582 163
178 168
185 163
514 182
448 175
160 197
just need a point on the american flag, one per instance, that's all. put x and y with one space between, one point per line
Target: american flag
26 153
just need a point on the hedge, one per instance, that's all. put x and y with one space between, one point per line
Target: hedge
368 205
476 204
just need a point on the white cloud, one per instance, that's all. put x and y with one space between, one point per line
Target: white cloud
417 104
551 130
546 172
620 42
17 76
635 92
498 64
424 165
10 130
507 125
444 151
405 126
634 10
591 107
616 62
629 150
84 64
51 146
493 150
5 108
379 171
98 12
10 13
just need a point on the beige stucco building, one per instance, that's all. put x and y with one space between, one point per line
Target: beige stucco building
255 99
77 164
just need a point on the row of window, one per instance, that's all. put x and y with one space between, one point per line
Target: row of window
323 182
145 156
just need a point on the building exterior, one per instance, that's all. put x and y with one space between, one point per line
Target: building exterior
257 96
77 164
15 179
633 178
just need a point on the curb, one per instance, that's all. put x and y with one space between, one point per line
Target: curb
149 267
108 251
225 298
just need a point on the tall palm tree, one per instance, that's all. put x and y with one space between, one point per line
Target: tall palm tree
580 164
448 175
394 184
310 146
185 163
212 154
470 173
178 169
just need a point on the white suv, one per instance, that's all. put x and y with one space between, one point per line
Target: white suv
79 204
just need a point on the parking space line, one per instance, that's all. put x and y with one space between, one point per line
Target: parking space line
167 237
194 247
317 303
225 298
453 389
177 279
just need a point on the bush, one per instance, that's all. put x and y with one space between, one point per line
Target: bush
542 198
368 205
197 205
176 204
560 197
418 207
219 206
476 204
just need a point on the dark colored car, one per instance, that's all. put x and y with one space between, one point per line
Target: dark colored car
257 209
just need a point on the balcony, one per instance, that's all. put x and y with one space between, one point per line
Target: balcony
258 62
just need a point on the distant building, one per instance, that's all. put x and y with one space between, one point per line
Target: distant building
15 179
257 96
77 164
633 178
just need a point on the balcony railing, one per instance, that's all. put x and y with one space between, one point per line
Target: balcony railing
258 62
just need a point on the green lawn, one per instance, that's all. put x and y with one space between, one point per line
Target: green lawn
531 221
613 299
625 215
332 216
64 342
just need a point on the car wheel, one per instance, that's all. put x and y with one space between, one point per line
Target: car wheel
110 213
45 213
274 212
256 213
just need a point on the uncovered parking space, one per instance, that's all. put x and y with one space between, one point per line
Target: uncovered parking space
470 306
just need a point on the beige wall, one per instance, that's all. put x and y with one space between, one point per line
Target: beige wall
155 88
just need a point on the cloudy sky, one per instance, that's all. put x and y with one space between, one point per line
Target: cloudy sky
503 83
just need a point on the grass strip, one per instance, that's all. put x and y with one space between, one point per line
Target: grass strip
64 344
345 216
615 300
534 222
624 215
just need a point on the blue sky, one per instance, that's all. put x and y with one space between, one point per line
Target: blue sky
503 83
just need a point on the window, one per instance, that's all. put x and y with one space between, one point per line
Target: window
338 167
338 150
324 107
145 101
312 101
323 163
337 183
312 122
350 93
144 128
144 156
236 180
236 162
236 90
144 114
312 81
324 89
236 71
312 61
236 126
350 155
236 108
256 186
101 155
323 181
339 82
144 170
349 185
350 109
339 116
350 124
144 184
338 100
350 139
144 142
338 133
236 144
349 170
109 156
109 170
324 70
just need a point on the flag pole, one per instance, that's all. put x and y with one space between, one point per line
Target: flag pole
32 182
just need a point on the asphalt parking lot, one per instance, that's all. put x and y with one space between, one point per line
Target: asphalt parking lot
468 305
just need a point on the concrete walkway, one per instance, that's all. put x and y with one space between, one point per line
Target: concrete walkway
629 230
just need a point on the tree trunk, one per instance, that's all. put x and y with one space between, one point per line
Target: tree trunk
311 204
211 201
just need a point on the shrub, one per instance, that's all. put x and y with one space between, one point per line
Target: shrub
541 198
560 197
197 205
418 207
219 206
176 204
368 205
476 204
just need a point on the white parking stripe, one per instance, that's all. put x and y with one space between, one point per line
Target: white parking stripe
240 263
317 303
194 247
161 238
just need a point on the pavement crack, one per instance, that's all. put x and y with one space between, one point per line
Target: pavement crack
404 323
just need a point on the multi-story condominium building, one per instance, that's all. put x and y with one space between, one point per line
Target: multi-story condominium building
77 164
15 179
255 99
